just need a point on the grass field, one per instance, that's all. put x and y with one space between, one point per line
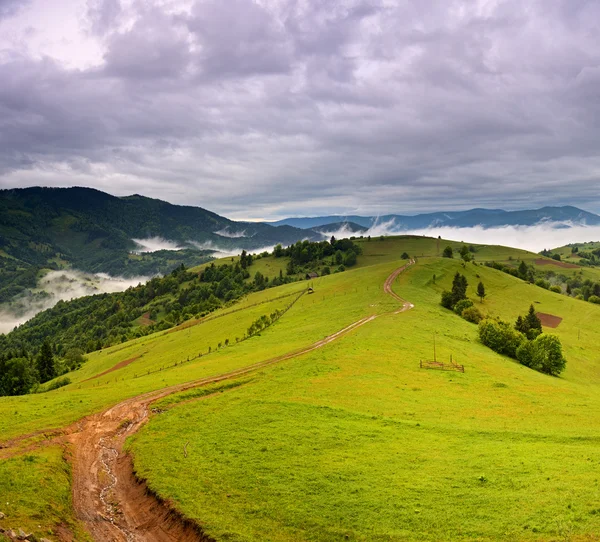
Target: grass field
352 441
356 442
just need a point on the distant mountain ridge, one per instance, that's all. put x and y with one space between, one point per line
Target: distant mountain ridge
86 229
486 218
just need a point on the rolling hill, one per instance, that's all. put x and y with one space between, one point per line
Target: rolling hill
323 426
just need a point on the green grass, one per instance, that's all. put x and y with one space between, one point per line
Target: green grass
346 296
356 442
36 492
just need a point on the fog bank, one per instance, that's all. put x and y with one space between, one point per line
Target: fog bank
536 238
57 286
154 244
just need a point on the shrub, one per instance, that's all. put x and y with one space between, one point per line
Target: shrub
405 256
326 270
447 300
547 355
525 354
472 314
542 284
500 337
448 252
594 299
462 305
556 289
58 383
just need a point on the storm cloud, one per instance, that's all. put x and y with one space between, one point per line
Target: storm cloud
271 108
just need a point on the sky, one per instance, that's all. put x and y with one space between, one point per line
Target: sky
264 109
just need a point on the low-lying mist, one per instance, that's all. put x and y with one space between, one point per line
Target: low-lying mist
546 235
221 252
154 244
225 232
57 286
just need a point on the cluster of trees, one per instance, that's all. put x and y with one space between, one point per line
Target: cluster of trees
588 257
573 286
263 323
523 271
21 373
465 252
309 255
457 301
525 342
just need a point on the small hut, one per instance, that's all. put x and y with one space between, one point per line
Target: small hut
311 275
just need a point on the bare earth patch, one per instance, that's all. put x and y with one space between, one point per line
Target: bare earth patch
118 366
542 261
549 320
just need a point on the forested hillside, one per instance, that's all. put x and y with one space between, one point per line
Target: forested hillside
54 228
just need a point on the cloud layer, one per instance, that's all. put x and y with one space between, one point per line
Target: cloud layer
547 235
300 107
60 285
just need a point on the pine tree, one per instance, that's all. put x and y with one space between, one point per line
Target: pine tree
45 363
532 321
523 270
459 288
520 325
481 291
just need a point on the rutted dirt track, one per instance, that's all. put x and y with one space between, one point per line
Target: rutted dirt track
108 498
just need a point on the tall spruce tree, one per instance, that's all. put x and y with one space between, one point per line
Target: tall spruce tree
481 291
45 363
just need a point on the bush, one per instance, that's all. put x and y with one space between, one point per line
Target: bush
547 355
462 305
447 300
556 289
448 252
542 284
594 299
500 337
405 256
58 383
472 314
326 270
525 354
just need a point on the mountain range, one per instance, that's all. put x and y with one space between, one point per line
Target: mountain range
486 218
86 229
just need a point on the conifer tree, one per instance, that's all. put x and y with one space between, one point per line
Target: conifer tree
45 363
481 291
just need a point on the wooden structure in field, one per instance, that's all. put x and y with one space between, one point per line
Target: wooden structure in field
435 364
427 364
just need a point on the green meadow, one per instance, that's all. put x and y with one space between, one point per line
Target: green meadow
352 441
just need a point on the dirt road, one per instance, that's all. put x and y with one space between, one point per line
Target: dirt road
108 498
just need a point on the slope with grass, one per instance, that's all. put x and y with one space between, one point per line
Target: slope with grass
356 442
351 440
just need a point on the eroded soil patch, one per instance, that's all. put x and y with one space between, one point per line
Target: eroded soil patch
549 320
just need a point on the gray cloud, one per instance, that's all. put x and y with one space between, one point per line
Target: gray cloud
8 8
306 106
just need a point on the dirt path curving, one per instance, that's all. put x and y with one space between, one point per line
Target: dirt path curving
107 497
389 282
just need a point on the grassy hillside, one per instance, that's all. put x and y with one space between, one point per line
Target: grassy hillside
356 442
352 441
